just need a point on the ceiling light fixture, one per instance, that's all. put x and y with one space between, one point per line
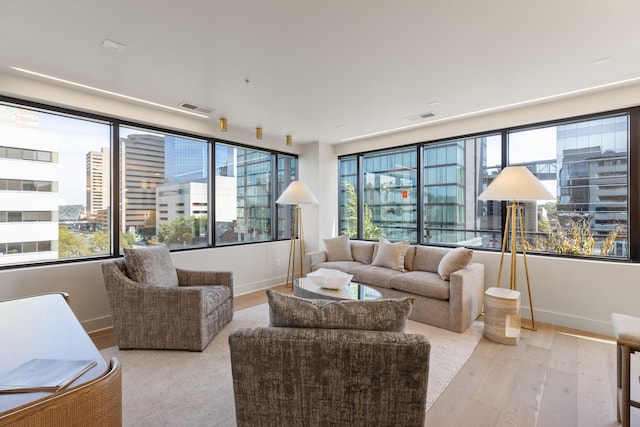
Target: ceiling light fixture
113 45
108 92
289 140
223 124
258 133
495 109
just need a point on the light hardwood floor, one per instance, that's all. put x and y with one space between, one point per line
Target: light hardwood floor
554 377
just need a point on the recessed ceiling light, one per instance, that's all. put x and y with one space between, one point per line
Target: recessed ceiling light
113 45
600 61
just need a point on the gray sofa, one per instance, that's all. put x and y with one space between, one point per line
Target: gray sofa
448 291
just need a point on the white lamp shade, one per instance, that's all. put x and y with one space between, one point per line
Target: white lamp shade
297 193
516 183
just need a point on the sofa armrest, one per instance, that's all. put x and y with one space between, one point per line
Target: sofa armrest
313 258
348 377
466 296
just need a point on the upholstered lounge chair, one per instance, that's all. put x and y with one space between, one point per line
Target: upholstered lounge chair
316 376
157 306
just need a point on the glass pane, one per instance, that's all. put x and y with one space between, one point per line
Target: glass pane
287 172
455 173
43 171
390 198
348 197
585 165
243 195
164 186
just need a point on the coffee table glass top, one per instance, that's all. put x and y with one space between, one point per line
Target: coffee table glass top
305 288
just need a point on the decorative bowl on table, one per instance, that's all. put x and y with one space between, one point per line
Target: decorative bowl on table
330 279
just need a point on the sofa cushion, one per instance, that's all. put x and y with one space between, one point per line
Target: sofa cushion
362 251
374 275
390 255
428 258
151 266
344 266
422 283
453 261
372 315
338 248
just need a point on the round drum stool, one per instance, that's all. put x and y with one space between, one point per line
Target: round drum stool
502 315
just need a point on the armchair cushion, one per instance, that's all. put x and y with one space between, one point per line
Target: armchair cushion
151 266
373 315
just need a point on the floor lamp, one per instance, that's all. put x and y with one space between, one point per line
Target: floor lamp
516 183
297 193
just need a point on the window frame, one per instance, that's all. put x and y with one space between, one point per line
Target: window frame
633 179
114 151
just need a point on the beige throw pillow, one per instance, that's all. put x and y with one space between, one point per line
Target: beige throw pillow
391 255
338 248
453 261
372 315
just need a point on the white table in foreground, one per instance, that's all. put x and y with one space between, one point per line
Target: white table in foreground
502 315
305 288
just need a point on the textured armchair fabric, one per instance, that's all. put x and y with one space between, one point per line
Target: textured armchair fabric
328 377
183 317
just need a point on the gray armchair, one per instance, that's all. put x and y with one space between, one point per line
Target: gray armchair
183 312
328 377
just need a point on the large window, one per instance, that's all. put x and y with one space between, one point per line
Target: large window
57 198
583 162
164 183
243 195
390 194
46 212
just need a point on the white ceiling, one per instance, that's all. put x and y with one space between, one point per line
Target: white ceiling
327 70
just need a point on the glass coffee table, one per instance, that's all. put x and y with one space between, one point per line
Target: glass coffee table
305 288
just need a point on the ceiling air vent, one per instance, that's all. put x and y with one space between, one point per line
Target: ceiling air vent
192 107
420 116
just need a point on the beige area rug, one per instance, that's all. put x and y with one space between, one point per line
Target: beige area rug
181 388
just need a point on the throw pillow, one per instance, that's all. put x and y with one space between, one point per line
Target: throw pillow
151 266
371 315
453 261
391 255
338 248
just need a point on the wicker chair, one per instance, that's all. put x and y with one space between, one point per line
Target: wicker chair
184 316
97 403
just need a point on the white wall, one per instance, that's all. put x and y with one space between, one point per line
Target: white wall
255 266
573 293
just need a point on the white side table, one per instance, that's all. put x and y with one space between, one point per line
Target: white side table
502 315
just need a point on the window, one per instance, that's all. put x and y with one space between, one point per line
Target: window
160 174
56 187
287 172
451 173
583 162
390 194
43 166
243 195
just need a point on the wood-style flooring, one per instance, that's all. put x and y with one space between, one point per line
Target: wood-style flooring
554 377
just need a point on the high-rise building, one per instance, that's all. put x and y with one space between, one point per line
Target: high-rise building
98 181
28 189
141 173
